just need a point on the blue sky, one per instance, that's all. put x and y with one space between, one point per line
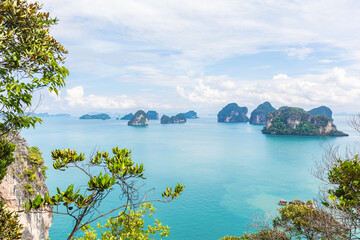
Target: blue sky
174 56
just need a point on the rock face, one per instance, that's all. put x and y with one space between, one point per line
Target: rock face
258 116
232 113
296 121
191 115
323 111
25 179
127 116
152 115
102 116
179 118
139 119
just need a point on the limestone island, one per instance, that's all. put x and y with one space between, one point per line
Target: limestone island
152 115
258 116
191 115
127 116
232 113
296 121
323 110
102 116
179 118
139 119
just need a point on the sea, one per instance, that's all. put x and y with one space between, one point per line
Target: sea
231 171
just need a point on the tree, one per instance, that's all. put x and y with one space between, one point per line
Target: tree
118 171
128 226
30 59
304 222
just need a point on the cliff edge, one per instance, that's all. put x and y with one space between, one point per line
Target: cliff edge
25 178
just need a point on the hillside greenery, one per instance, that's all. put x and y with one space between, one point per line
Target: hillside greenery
296 121
102 116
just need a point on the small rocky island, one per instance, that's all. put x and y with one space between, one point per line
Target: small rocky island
140 118
179 118
152 115
323 110
191 115
296 121
102 116
127 116
232 113
258 116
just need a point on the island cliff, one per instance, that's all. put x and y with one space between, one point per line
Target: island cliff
179 118
139 119
152 115
296 121
127 116
191 115
102 116
258 116
323 111
25 178
232 113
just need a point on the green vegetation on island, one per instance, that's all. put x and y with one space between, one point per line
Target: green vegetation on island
102 116
258 116
232 113
191 115
296 121
140 118
178 118
152 115
127 116
323 111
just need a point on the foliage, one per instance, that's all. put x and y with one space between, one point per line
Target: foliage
295 121
265 234
321 111
102 116
262 110
6 156
345 175
35 156
230 238
127 226
83 204
9 224
30 59
229 110
301 221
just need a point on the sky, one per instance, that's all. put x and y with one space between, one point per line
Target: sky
174 56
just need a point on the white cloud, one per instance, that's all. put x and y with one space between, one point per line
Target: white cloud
300 53
333 88
75 97
217 28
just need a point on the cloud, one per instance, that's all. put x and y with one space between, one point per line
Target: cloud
334 88
75 97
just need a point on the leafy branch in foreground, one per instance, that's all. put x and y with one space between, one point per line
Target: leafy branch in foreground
118 171
128 226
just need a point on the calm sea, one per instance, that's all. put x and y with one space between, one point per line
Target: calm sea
231 170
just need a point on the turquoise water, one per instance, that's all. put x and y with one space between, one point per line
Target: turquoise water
231 171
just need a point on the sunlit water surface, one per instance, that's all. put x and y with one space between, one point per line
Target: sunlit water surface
231 171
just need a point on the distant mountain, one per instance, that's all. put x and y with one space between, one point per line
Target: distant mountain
48 115
258 116
102 116
191 115
179 118
127 116
152 115
232 113
296 121
140 118
323 111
